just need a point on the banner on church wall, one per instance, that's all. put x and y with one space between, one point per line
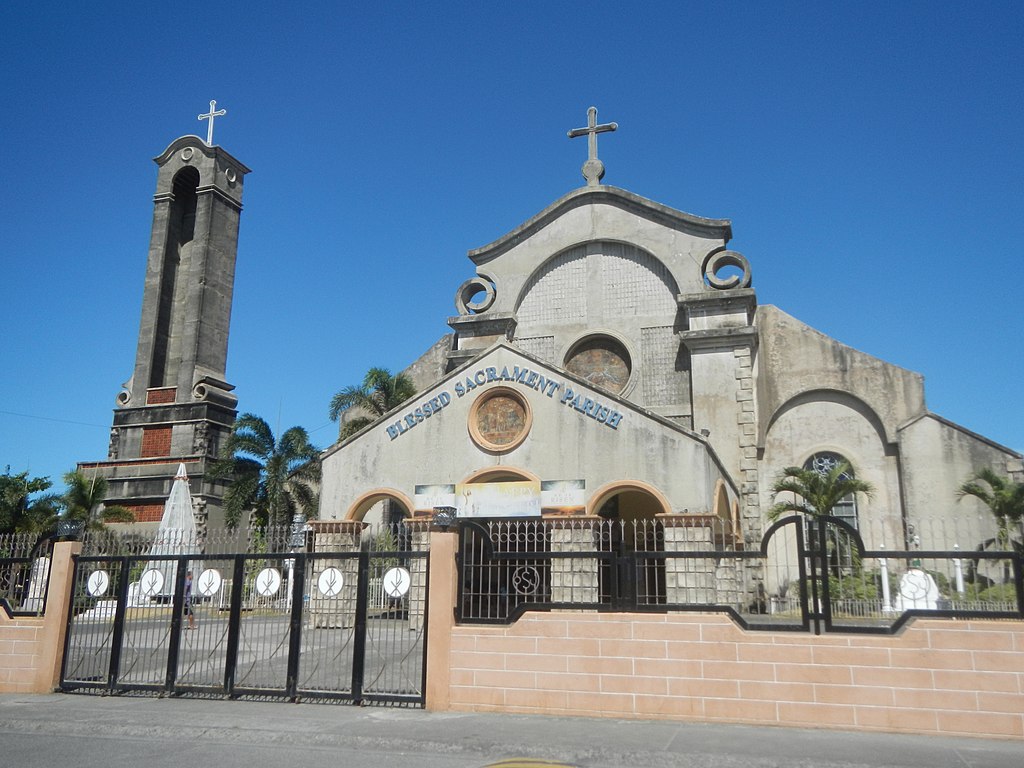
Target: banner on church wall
562 495
554 496
430 496
513 499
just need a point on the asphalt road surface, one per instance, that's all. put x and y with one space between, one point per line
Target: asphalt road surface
87 731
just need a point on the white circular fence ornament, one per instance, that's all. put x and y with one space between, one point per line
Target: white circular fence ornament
330 582
396 581
209 582
151 582
268 581
98 583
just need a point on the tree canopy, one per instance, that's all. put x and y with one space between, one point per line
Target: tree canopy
84 501
25 504
378 394
270 478
813 492
1003 497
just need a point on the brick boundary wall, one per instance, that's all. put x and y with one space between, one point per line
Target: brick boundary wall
937 676
31 647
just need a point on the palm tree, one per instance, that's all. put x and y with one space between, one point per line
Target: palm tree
25 507
1003 497
271 478
1005 500
84 502
816 493
378 394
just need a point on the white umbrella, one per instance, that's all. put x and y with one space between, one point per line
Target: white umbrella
175 536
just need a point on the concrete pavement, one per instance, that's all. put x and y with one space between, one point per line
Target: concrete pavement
82 731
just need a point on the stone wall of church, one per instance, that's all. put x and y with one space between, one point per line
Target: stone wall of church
831 422
431 365
677 240
937 457
796 359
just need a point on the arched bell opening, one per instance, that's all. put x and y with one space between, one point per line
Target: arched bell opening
170 321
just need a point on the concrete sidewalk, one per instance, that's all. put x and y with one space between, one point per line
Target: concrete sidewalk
82 731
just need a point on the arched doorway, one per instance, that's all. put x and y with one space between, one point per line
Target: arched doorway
632 533
383 512
499 475
499 570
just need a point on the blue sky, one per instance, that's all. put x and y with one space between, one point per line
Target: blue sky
868 154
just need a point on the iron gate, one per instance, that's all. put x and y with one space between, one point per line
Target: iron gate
344 625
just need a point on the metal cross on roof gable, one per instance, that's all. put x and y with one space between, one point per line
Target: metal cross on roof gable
214 112
593 169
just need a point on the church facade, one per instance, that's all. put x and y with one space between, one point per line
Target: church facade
610 358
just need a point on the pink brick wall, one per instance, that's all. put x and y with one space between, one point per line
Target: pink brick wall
21 647
936 676
30 647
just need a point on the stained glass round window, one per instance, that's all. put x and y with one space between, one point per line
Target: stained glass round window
602 362
500 419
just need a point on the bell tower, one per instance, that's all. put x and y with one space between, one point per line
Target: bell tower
178 407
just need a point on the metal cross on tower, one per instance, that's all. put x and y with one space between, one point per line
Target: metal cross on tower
214 112
593 169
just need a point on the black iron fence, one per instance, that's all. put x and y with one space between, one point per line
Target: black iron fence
24 573
347 622
804 575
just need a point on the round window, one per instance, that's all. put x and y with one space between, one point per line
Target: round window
500 419
601 361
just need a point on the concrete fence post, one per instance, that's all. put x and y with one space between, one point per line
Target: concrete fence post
55 620
442 580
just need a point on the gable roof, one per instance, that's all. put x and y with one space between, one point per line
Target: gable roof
556 378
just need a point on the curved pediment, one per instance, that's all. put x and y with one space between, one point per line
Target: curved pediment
196 143
697 226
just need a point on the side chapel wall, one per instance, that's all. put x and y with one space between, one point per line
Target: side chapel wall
794 358
828 421
937 457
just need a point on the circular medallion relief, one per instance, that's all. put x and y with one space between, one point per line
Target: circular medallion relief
500 420
396 581
601 361
98 583
210 582
268 581
151 582
330 582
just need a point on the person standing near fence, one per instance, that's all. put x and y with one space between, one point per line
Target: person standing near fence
188 601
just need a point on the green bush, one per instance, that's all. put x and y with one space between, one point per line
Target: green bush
999 593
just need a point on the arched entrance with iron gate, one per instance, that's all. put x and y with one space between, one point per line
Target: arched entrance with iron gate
631 532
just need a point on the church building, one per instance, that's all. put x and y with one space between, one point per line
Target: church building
610 358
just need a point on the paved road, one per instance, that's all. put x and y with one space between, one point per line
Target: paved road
87 731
